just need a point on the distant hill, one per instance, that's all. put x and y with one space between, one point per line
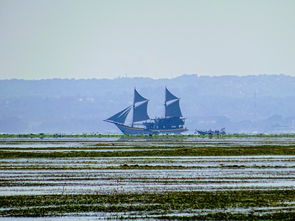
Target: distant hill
262 103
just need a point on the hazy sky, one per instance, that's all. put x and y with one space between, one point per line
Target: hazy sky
152 38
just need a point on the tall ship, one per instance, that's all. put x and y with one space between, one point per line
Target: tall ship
142 124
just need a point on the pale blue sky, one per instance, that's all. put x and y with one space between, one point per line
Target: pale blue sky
150 38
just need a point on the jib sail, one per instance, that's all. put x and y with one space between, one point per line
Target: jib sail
119 117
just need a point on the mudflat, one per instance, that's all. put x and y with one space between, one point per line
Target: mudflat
163 177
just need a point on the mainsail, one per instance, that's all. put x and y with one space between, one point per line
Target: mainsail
140 108
119 117
172 108
140 112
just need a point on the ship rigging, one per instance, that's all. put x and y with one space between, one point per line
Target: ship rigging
142 124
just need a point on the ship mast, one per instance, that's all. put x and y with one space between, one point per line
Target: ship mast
133 107
165 102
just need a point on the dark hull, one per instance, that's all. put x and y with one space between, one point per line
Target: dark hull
142 131
210 132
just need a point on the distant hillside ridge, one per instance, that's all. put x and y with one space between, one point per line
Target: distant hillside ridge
250 104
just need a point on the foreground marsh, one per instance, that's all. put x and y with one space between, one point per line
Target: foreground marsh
232 178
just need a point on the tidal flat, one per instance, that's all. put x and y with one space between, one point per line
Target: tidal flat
177 178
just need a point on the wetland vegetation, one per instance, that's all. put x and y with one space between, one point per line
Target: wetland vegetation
180 205
155 151
97 135
163 177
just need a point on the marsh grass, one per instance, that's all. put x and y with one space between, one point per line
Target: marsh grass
165 203
180 151
214 204
133 167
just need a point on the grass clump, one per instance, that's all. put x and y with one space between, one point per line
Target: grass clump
167 203
173 151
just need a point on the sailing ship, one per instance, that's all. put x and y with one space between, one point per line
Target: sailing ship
142 124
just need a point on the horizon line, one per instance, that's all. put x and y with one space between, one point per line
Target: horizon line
153 78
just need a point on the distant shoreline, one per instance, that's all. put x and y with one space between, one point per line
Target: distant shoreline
44 135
